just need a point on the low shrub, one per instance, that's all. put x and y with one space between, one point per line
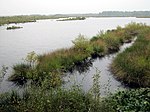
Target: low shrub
64 60
134 100
48 99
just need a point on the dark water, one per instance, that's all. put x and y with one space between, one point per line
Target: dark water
107 82
48 35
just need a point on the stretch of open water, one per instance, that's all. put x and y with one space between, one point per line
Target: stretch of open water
48 35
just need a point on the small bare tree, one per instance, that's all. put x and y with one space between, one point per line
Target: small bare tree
3 72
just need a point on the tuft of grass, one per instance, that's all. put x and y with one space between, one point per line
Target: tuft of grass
64 60
20 73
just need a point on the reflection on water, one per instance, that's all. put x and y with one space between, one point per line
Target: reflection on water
84 74
48 35
83 66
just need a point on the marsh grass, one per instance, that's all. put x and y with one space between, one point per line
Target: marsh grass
133 65
20 73
43 99
26 18
72 19
64 60
74 99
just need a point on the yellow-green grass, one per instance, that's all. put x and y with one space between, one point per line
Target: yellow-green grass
63 60
133 65
45 98
25 18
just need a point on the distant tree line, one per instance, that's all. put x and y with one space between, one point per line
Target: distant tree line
125 13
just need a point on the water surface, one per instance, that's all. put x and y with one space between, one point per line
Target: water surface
108 84
48 35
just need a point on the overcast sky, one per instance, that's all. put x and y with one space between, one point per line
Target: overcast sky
22 7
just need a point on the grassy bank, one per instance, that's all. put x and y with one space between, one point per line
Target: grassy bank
74 100
54 64
133 65
72 19
59 100
44 98
49 96
26 18
144 17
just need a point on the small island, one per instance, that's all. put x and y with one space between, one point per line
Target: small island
13 27
72 19
143 17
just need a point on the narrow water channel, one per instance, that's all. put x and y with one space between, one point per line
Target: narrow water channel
84 76
46 36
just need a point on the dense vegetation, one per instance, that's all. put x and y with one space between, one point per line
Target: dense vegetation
33 18
54 64
133 66
72 19
125 14
114 14
47 99
45 94
26 18
134 100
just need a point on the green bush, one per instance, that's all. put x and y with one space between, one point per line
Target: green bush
63 60
83 44
48 99
9 102
134 100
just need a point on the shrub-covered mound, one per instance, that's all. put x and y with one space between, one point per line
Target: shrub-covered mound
133 65
56 63
51 100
